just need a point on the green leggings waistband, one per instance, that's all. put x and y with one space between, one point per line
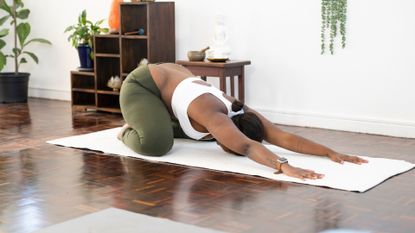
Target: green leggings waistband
142 76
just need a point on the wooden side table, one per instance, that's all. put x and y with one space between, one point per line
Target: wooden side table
222 70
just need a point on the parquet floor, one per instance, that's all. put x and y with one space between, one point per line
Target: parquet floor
42 184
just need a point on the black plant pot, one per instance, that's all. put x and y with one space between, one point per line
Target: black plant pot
84 51
13 87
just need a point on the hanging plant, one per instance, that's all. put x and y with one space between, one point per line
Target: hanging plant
333 21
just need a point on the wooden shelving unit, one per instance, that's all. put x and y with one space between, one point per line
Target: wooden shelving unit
119 54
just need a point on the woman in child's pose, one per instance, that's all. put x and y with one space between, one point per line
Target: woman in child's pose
161 102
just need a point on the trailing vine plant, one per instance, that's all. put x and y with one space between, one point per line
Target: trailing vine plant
333 21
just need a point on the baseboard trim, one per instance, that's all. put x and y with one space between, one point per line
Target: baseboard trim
49 93
353 124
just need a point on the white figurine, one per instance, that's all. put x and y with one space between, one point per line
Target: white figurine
115 83
219 49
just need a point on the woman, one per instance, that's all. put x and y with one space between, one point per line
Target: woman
165 101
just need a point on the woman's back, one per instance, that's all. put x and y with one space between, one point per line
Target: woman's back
167 76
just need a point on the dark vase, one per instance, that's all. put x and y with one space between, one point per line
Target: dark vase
84 51
13 87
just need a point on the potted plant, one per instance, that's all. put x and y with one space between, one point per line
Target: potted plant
333 21
14 85
81 38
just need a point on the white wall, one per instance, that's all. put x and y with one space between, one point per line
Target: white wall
368 87
49 18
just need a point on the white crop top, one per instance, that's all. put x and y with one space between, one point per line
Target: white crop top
185 93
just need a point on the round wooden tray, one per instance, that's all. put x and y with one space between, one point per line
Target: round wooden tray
218 59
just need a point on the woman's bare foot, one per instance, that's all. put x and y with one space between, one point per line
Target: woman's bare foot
124 127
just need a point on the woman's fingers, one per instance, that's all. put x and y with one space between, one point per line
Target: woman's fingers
355 159
361 160
337 159
309 174
340 158
302 174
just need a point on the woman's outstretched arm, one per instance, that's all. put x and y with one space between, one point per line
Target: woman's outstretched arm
278 137
227 134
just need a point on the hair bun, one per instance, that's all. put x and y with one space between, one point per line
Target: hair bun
237 105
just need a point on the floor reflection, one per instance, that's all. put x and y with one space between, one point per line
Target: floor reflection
90 119
327 214
23 207
102 176
201 193
15 118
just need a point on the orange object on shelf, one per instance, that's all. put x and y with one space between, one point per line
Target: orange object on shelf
114 18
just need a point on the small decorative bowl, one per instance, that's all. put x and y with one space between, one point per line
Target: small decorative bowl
196 55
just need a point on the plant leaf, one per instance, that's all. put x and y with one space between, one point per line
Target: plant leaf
23 14
83 17
4 32
4 6
23 30
4 19
2 44
99 22
68 29
39 40
16 51
19 3
2 61
33 56
23 60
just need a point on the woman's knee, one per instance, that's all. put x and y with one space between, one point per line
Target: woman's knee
149 143
156 146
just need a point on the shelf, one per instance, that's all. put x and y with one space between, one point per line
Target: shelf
133 17
83 107
105 101
119 54
85 73
108 92
80 81
83 98
133 51
114 110
107 55
108 36
108 67
135 3
107 45
134 37
85 90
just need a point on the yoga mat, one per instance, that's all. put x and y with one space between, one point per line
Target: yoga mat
114 220
347 176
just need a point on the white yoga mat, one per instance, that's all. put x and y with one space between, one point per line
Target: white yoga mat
347 176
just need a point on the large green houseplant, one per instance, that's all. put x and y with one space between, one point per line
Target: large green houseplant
81 37
14 85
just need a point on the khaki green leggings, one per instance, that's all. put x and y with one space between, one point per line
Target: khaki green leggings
152 131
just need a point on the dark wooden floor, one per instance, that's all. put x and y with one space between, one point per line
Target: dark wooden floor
42 184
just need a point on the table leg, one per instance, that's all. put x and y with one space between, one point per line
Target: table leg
241 86
233 86
222 84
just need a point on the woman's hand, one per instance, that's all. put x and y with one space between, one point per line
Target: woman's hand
340 158
300 173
